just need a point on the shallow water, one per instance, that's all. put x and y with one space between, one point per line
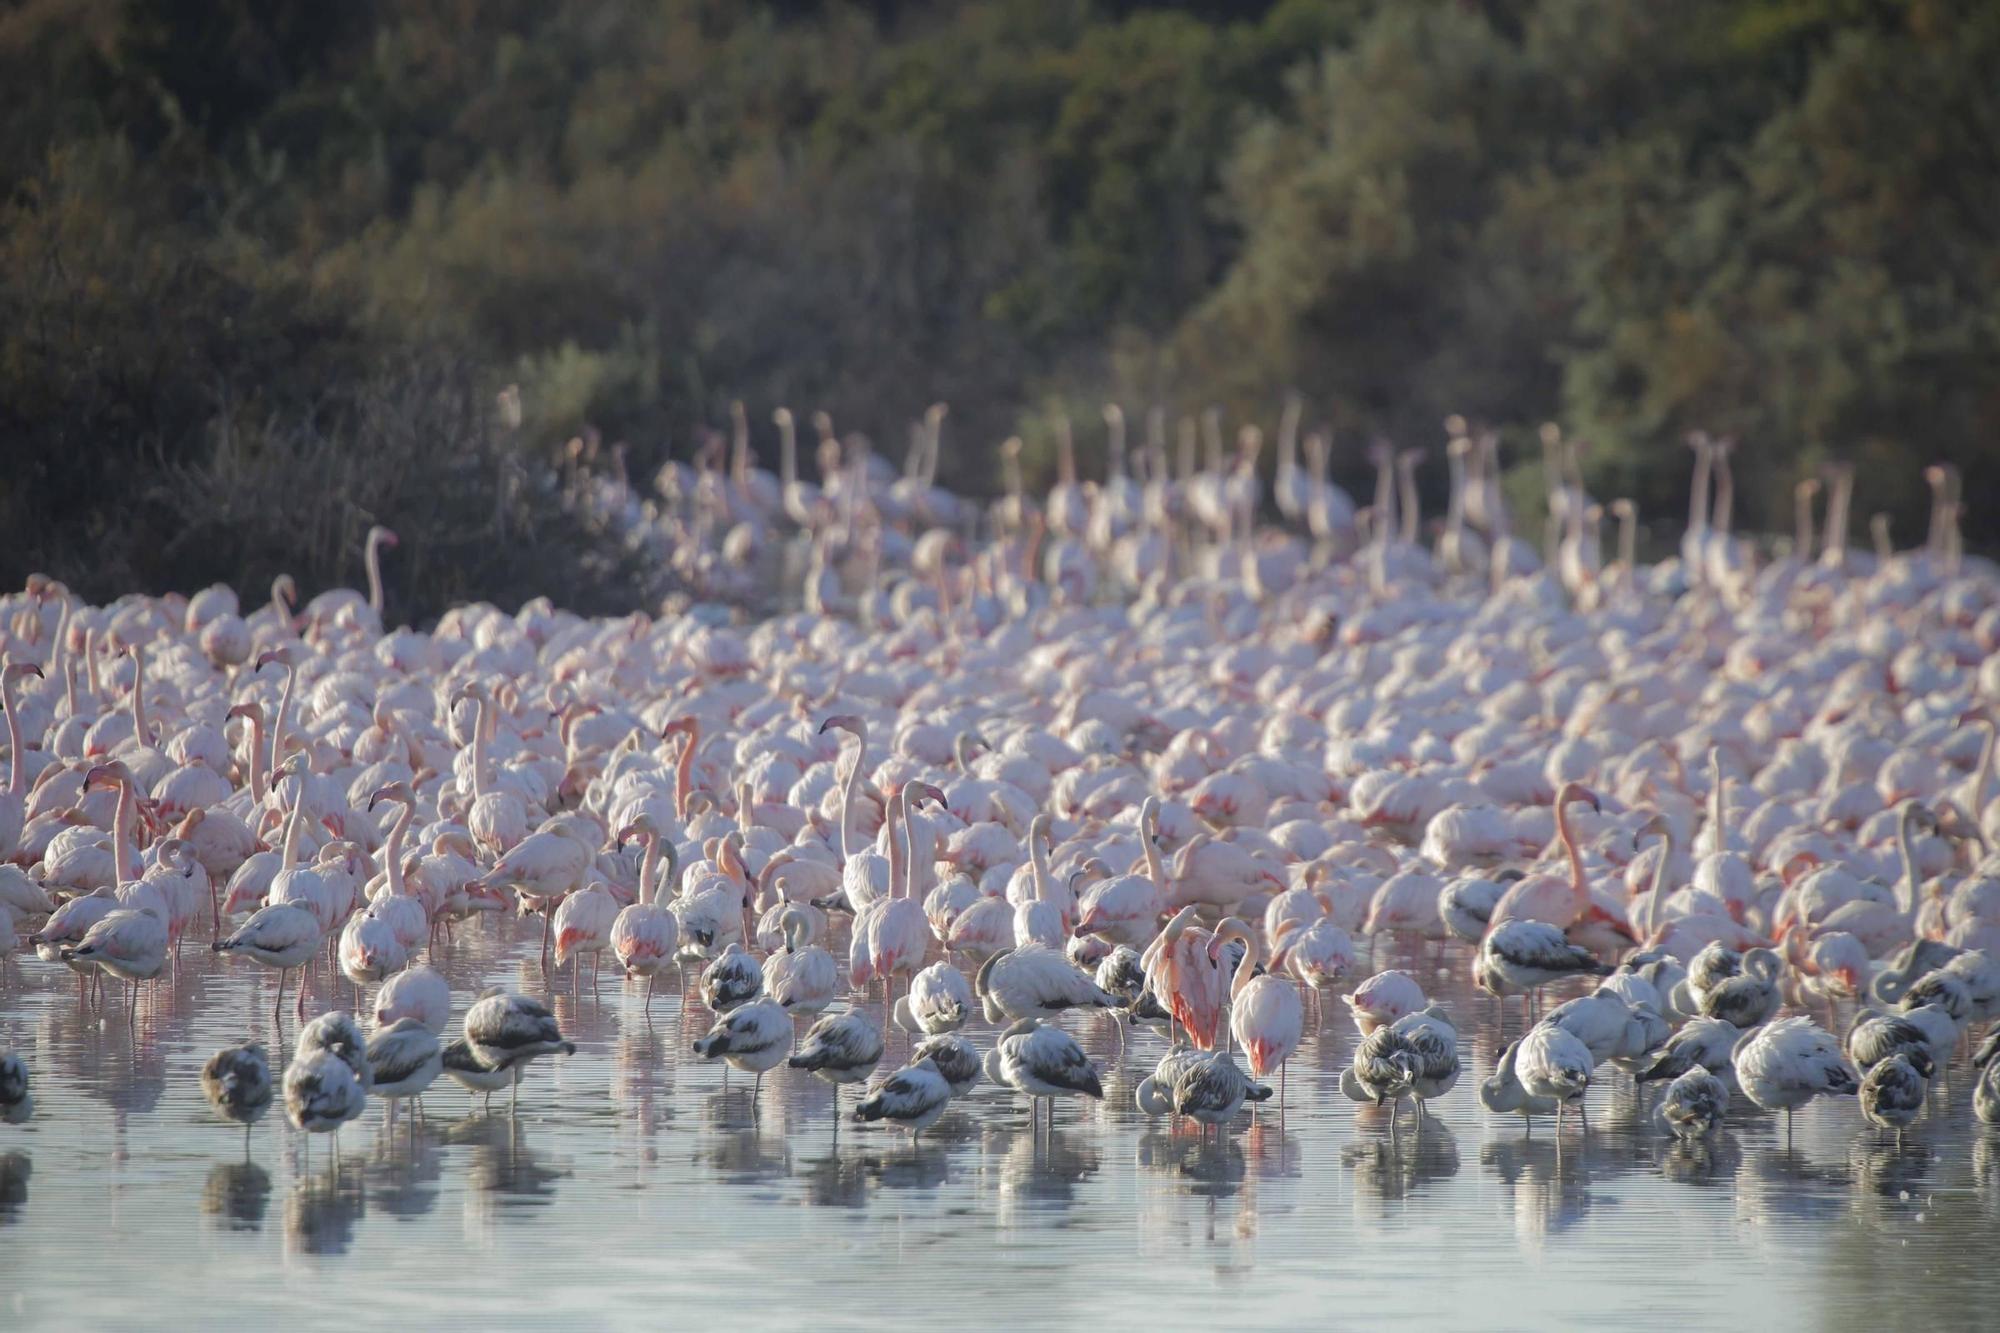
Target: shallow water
635 1188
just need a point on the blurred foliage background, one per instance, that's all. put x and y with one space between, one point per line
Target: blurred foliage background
264 263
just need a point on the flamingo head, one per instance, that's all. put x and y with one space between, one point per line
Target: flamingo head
394 791
103 776
846 722
1576 791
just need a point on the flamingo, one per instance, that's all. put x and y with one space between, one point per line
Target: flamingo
283 936
404 1059
131 945
583 923
1893 1092
1043 1062
732 980
1786 1063
1383 998
237 1082
322 1093
16 1103
840 1048
802 977
418 992
1187 982
755 1038
1266 1017
914 1097
938 1001
1550 898
1521 956
1212 1087
1694 1104
505 1032
1553 1063
1035 982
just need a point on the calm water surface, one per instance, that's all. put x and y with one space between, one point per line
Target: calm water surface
634 1188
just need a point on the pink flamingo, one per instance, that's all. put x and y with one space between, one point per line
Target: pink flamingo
1551 898
1186 981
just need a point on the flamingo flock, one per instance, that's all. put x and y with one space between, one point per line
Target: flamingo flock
1125 753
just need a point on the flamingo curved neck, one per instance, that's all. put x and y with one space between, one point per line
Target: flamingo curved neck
480 755
139 697
847 793
1698 492
1038 860
1149 831
917 867
372 559
122 829
1907 842
649 870
278 724
260 782
1979 780
17 771
397 832
1659 881
295 827
1578 883
1718 806
684 773
894 830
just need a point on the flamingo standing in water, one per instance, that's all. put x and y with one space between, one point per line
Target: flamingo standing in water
645 933
1186 980
1266 1017
237 1082
1785 1064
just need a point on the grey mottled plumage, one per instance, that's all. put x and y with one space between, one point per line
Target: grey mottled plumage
1942 989
1213 1087
1435 1040
913 1097
841 1048
322 1092
472 1073
406 1058
339 1035
1873 1038
732 980
955 1058
1042 1061
1694 1104
1918 959
15 1103
504 1030
1385 1068
1702 1043
237 1082
1893 1092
